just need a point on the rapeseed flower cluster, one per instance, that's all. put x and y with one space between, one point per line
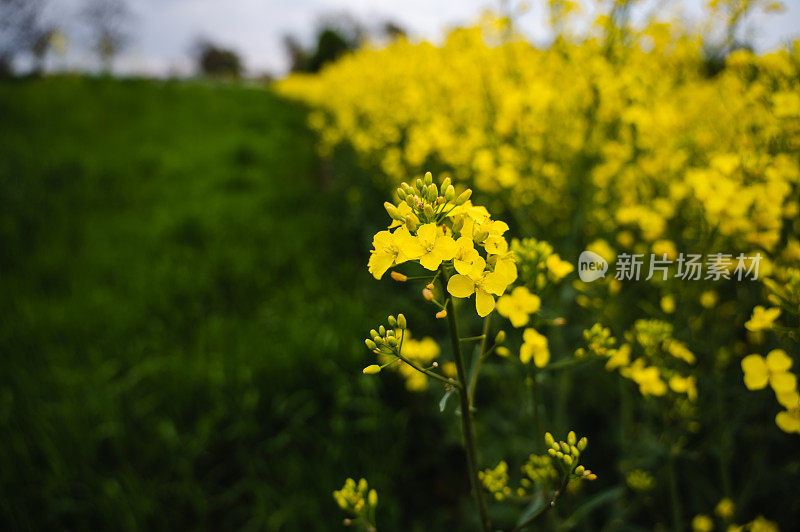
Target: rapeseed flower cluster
359 501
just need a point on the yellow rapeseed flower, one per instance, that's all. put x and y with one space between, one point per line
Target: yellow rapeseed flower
483 283
431 246
762 318
534 347
774 370
518 306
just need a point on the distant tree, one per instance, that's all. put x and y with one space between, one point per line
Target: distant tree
43 41
109 22
336 35
19 27
392 30
298 56
215 61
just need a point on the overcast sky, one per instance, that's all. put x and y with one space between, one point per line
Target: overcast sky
165 29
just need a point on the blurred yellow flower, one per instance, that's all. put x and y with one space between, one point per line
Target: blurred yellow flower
774 370
518 306
762 318
534 347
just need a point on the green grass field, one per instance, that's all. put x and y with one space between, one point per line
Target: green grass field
183 301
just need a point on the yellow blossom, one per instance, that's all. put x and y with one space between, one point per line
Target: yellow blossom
725 508
518 306
557 267
387 252
431 246
762 318
534 347
483 283
774 370
702 523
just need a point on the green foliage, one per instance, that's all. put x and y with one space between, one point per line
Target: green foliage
180 321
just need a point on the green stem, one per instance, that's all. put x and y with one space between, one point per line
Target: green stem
419 368
537 413
487 323
466 413
674 497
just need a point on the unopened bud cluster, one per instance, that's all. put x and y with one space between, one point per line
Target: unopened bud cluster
384 341
426 200
568 453
357 499
598 342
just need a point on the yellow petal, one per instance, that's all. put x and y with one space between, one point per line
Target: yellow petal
460 286
778 361
507 269
525 353
484 303
408 244
788 421
756 373
495 283
427 232
378 264
789 400
446 247
430 261
783 382
541 357
755 381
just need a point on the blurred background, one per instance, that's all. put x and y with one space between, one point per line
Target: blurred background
183 289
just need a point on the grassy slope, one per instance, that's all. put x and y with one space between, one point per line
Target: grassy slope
180 316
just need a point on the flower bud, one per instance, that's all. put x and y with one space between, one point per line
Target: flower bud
434 192
428 178
428 210
372 498
372 346
445 183
371 370
463 197
500 340
480 237
411 225
582 443
571 438
407 188
549 440
401 194
564 446
378 340
579 470
559 321
419 184
430 286
427 294
399 277
392 322
401 321
450 193
551 451
392 341
382 330
373 333
392 210
441 314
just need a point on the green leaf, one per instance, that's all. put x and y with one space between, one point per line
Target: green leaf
532 509
582 511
